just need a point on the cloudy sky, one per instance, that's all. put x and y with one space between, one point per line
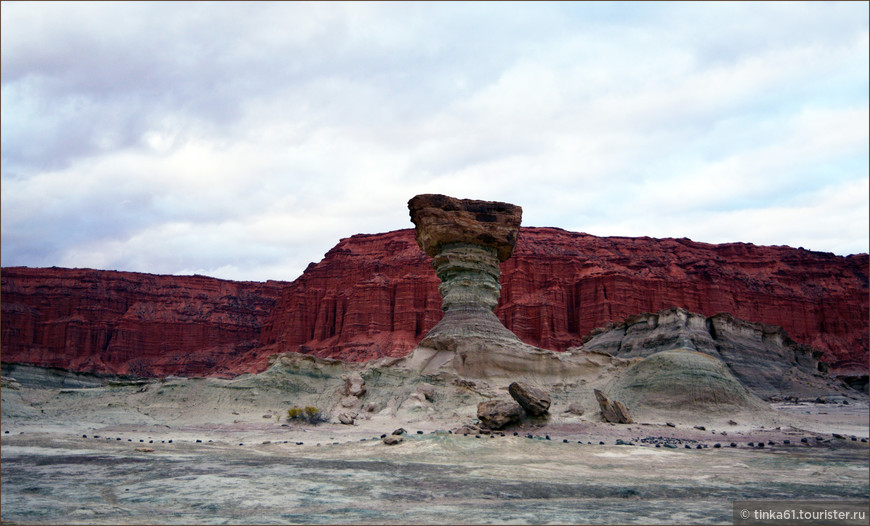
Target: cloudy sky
243 140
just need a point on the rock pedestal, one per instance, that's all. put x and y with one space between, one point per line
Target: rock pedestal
467 240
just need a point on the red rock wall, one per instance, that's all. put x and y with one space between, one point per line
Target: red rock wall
131 323
376 295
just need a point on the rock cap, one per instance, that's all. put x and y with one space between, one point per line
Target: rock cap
440 220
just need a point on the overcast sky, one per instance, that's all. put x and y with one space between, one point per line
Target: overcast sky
243 140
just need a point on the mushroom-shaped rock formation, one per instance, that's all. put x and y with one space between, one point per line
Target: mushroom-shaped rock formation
466 239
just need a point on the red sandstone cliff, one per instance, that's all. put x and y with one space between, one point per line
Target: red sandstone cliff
131 323
376 295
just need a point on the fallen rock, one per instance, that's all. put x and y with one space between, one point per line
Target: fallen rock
145 449
613 411
575 409
354 385
427 391
467 429
349 402
400 431
392 440
346 418
495 414
535 401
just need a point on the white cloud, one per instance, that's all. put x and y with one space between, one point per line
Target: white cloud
239 139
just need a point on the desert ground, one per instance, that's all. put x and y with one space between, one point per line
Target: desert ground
80 450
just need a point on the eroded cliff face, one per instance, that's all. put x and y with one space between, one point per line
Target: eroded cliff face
131 323
377 295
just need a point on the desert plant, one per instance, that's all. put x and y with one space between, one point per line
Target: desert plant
309 414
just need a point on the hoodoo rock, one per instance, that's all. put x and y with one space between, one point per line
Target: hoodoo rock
466 239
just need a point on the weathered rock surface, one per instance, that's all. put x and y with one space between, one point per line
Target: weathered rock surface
376 295
392 440
533 400
134 324
612 411
442 220
466 240
761 357
495 414
354 385
679 382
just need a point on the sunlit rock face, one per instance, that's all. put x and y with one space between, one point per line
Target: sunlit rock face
467 239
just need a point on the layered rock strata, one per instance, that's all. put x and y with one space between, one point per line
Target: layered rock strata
375 295
132 323
467 240
761 357
678 382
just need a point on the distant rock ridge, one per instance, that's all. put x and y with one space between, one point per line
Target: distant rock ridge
762 357
375 295
131 323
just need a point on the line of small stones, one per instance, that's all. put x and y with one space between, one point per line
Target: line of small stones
666 442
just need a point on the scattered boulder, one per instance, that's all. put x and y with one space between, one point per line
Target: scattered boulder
427 391
575 409
535 401
346 418
467 429
392 440
9 382
354 385
400 431
613 411
495 414
145 449
350 402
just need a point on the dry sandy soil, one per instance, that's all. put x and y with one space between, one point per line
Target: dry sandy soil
201 451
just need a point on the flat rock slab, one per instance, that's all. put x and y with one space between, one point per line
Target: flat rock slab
441 220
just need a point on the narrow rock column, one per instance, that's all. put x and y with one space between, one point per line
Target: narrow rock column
467 240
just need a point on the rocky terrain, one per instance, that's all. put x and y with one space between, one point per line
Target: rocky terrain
503 431
376 295
131 323
762 357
